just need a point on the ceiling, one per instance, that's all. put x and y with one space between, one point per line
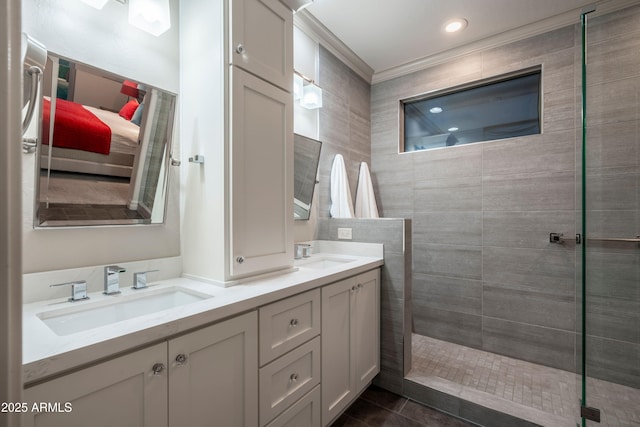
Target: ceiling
390 33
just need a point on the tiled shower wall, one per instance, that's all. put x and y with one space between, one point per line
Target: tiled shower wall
484 272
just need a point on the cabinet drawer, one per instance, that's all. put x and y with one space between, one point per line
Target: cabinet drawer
304 413
288 378
286 324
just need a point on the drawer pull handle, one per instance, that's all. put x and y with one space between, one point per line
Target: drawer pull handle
157 368
293 378
293 323
181 359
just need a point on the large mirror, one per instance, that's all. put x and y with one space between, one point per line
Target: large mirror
306 153
105 148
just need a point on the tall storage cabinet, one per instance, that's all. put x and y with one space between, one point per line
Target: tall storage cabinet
238 114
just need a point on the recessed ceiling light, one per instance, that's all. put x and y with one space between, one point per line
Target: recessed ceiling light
452 129
455 25
435 110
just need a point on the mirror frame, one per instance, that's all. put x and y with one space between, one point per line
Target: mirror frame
311 161
149 119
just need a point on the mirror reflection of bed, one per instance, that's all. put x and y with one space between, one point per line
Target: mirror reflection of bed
110 146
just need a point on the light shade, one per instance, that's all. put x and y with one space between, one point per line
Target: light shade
130 88
297 5
152 16
311 97
98 4
298 87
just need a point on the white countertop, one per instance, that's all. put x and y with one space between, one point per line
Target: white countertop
46 354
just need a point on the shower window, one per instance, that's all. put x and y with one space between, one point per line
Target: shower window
502 107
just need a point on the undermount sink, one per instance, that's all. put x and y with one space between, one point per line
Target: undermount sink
323 262
86 315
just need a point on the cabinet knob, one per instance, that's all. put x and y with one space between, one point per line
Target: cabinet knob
293 378
353 288
240 259
359 285
240 49
157 368
293 323
181 359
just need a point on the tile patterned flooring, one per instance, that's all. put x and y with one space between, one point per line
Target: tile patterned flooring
537 393
377 408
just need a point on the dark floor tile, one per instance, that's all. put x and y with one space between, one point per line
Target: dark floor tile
384 398
346 421
374 415
430 417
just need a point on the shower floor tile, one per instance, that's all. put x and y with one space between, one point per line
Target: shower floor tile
537 393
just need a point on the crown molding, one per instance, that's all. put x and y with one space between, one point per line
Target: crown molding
321 34
553 23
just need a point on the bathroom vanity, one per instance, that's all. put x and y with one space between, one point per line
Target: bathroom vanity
296 346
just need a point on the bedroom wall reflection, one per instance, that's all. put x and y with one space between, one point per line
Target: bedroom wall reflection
108 163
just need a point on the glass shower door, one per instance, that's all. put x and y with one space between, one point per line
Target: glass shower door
610 253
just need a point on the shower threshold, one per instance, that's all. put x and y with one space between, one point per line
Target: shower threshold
492 389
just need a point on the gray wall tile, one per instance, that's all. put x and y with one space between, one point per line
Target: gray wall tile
550 309
452 326
613 360
550 347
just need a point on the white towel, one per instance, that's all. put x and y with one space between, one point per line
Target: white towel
341 204
366 206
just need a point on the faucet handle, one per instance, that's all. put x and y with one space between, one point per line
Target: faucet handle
78 289
114 269
140 279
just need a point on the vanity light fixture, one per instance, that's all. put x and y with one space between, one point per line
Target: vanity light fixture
98 4
152 16
311 93
455 25
297 5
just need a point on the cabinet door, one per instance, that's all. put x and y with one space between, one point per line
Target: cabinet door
122 392
367 324
262 40
338 357
261 176
213 375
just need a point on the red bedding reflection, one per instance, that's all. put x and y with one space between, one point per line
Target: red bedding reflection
75 127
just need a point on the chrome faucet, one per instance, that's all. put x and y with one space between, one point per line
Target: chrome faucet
140 279
78 290
301 250
112 279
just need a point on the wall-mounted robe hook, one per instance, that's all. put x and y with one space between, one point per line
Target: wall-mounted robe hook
198 158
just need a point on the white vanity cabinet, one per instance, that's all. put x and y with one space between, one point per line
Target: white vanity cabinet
213 377
128 391
350 340
290 353
208 377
